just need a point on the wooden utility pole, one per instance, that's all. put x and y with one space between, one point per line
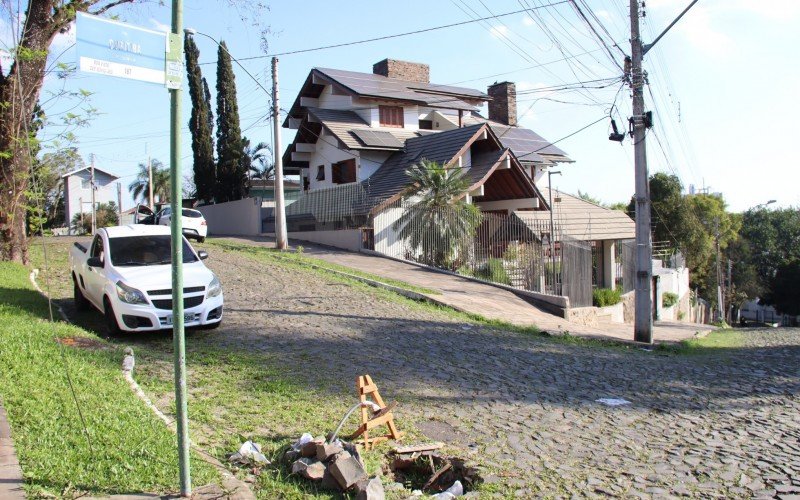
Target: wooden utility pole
94 217
643 319
280 209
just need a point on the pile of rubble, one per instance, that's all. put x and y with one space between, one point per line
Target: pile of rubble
424 468
336 466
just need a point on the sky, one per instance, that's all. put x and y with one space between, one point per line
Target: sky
722 82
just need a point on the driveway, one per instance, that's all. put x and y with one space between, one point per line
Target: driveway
723 424
486 300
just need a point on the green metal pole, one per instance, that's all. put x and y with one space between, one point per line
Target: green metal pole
176 197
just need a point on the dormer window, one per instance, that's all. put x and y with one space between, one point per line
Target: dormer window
391 116
321 173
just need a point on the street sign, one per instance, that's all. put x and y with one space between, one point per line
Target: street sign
113 48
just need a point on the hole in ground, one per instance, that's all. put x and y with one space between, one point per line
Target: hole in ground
432 472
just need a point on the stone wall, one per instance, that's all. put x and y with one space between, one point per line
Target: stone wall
403 70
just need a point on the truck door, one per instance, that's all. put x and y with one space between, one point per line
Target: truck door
95 276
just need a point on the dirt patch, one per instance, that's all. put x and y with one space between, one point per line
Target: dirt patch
81 343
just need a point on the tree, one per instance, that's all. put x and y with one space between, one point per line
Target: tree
201 125
231 173
140 188
20 88
438 221
46 196
591 199
784 293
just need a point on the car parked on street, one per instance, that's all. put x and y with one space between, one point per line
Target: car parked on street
126 274
193 223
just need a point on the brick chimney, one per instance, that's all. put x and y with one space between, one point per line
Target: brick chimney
403 70
503 106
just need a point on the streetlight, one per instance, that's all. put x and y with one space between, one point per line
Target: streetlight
762 205
552 233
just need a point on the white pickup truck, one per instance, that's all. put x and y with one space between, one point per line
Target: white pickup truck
126 274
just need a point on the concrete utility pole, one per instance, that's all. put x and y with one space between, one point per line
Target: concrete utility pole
643 319
149 180
119 203
552 231
94 217
280 209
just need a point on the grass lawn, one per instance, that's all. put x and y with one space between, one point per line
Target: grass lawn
716 340
121 448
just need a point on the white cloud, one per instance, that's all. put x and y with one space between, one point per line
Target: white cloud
603 14
159 26
700 32
527 21
499 31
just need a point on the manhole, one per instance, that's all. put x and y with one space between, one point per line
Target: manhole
432 472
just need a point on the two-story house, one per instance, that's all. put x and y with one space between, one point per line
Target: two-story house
78 191
358 133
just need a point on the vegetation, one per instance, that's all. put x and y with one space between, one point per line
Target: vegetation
494 271
140 188
201 124
439 223
258 160
602 297
718 339
669 299
114 445
231 181
106 214
46 195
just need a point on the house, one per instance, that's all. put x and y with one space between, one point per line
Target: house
265 189
358 133
78 191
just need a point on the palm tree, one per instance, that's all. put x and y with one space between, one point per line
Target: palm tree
140 188
438 221
259 160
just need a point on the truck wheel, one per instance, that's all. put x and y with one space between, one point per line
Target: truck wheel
81 303
111 319
201 239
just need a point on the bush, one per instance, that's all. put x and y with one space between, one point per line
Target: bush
669 299
602 297
493 271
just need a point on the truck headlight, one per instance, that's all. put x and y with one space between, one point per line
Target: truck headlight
214 288
130 295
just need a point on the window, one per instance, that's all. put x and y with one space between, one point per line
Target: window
426 124
97 248
391 116
86 183
344 171
321 173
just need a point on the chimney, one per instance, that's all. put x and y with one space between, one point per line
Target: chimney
503 106
403 70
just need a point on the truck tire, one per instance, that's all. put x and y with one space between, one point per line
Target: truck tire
81 303
201 239
111 319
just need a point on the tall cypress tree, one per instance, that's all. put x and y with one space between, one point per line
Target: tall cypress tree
231 184
201 124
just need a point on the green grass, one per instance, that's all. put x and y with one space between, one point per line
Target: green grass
310 262
123 447
716 340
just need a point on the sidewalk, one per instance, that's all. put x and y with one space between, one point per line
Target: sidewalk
479 298
10 474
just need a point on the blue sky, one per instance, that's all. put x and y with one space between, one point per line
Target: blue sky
722 83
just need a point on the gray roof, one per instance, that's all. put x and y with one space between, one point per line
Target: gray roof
582 220
96 170
343 124
379 86
527 145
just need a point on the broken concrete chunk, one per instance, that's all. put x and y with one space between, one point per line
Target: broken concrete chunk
309 449
315 471
301 465
347 472
326 450
370 490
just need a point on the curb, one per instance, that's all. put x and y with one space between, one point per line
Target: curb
11 479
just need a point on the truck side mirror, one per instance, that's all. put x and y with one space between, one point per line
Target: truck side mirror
202 254
94 262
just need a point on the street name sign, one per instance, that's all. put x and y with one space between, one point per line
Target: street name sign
118 49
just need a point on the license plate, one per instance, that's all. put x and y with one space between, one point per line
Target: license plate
187 318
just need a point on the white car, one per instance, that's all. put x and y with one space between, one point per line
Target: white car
126 274
193 222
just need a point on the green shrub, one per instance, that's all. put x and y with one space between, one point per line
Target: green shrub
493 271
681 315
602 297
669 299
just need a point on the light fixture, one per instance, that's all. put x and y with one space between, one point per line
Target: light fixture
616 136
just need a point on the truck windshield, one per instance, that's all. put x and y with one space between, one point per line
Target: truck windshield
150 250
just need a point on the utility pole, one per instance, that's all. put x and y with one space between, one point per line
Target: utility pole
149 180
643 320
720 298
280 209
729 293
552 230
119 203
175 58
80 201
94 218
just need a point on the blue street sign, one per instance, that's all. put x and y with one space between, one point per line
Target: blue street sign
113 48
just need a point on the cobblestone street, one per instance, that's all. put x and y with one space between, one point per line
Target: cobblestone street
720 424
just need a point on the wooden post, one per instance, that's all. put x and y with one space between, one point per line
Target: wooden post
369 420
